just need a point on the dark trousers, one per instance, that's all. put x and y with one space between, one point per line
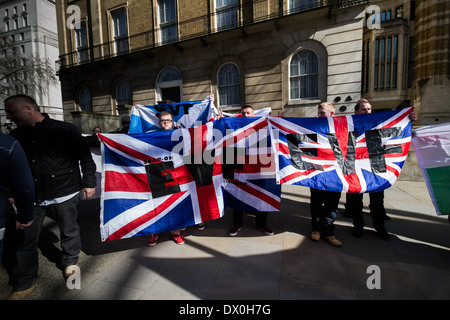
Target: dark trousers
324 207
260 217
24 244
354 206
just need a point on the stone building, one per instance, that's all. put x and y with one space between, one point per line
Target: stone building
406 59
288 55
431 61
285 54
32 26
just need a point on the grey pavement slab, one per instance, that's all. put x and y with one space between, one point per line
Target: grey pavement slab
414 264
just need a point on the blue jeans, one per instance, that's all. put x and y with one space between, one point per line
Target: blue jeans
324 207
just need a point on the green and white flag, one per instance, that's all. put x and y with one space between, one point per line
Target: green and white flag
432 147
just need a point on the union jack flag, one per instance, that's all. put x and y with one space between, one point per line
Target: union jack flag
352 153
166 180
148 189
253 186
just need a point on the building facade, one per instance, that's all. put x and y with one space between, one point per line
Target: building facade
431 61
288 55
32 25
406 60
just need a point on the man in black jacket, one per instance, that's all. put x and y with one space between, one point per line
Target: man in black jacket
55 150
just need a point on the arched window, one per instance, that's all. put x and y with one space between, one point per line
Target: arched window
304 75
169 85
123 93
85 101
228 85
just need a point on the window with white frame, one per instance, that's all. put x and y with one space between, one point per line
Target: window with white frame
120 34
167 21
169 85
82 43
228 85
304 75
227 14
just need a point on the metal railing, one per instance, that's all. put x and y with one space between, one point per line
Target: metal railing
239 16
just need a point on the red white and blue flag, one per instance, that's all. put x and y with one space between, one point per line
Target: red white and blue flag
147 188
353 153
166 180
252 185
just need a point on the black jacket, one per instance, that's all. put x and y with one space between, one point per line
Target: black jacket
55 152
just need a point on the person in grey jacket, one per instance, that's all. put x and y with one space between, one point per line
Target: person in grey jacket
55 150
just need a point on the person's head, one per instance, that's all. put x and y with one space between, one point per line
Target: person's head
326 109
166 120
22 110
247 111
125 121
363 106
97 130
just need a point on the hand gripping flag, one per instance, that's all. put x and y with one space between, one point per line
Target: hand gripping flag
432 147
148 188
144 118
353 153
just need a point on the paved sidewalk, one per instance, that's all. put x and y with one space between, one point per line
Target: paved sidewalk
414 264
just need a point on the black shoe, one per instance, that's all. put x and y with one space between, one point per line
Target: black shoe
387 218
381 231
200 227
357 232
